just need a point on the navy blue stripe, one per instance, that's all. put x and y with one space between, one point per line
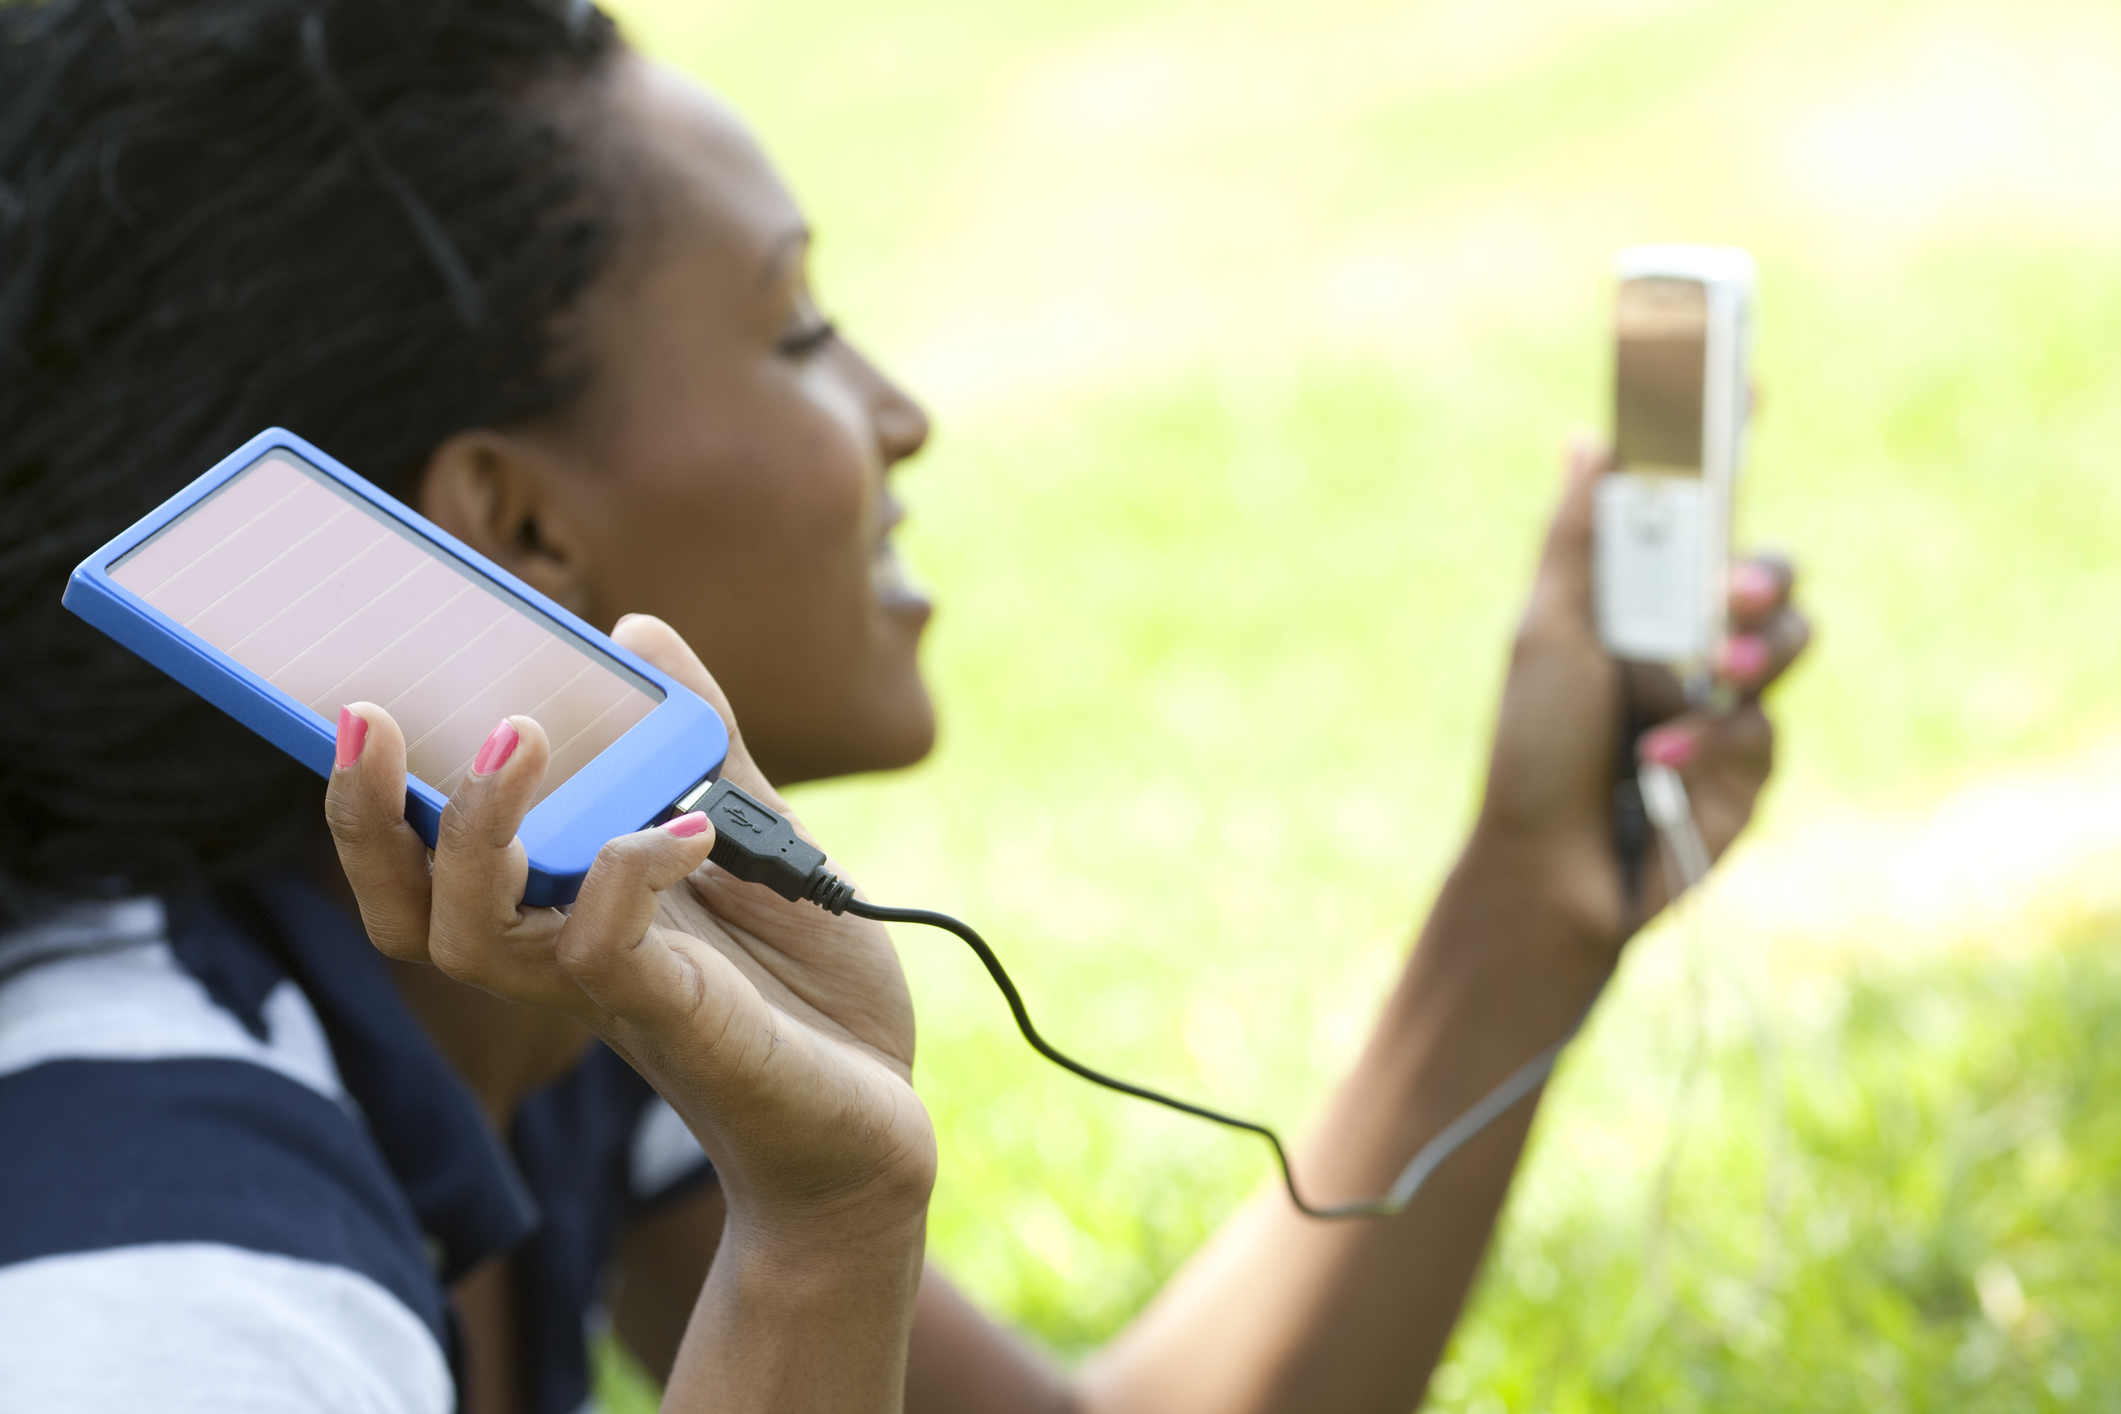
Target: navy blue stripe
431 1132
103 1154
572 1140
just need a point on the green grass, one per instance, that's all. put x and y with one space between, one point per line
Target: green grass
1836 1209
1916 1214
1251 330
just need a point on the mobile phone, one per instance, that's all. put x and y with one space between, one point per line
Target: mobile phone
1682 325
280 586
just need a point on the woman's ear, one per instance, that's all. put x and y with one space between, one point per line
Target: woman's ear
505 498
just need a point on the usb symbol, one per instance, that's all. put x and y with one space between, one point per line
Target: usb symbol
736 816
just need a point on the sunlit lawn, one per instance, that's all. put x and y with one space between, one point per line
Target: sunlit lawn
1251 331
1907 1204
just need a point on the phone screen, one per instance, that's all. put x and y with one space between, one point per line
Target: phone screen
1660 374
330 599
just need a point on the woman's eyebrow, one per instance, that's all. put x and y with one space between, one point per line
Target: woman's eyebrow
789 242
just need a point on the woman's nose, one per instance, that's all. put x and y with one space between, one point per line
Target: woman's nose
901 423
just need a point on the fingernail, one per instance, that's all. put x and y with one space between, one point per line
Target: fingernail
686 826
1754 586
353 735
498 748
1669 746
622 621
1745 657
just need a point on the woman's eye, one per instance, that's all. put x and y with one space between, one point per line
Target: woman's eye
808 340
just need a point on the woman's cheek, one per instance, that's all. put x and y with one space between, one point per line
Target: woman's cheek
840 486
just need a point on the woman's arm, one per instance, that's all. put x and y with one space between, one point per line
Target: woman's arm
1282 1312
1279 1311
782 1035
959 1359
1300 1314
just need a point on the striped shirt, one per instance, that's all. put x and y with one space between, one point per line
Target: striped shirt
235 1174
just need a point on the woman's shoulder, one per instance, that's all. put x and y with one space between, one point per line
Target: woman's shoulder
190 1200
102 984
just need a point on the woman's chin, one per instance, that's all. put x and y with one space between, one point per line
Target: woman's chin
906 738
899 733
918 738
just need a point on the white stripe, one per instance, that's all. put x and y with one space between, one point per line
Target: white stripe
82 927
139 1004
663 1151
200 1328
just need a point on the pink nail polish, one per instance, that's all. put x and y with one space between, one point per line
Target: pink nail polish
1669 746
686 826
1745 657
498 748
1754 585
353 735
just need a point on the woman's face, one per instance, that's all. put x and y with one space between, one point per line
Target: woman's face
726 469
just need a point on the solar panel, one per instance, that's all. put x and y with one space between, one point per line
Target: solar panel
323 596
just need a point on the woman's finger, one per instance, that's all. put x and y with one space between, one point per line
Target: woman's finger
661 645
1737 753
1741 738
1723 758
1751 660
602 946
1760 586
384 857
479 867
1740 743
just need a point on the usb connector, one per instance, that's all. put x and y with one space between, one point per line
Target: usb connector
758 845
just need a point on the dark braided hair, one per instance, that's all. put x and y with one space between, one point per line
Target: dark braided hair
367 221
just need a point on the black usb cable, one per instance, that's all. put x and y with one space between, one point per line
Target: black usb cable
758 845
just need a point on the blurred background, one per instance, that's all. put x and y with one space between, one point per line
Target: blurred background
1252 331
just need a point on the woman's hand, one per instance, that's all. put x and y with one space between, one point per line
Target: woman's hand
1547 817
782 1034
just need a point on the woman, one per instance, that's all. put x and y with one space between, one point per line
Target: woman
554 296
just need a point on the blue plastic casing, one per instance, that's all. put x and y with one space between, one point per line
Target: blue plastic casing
628 785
